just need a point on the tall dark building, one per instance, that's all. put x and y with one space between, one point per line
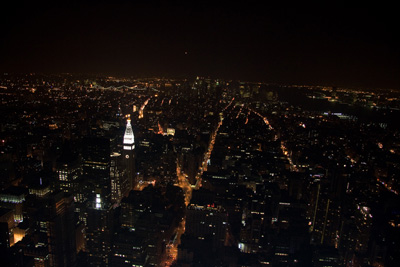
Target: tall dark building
96 167
6 226
118 179
61 230
129 157
324 213
99 233
96 156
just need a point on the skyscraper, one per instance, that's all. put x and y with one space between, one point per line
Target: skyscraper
99 232
96 167
61 229
128 156
118 178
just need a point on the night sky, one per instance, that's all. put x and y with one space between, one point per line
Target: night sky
338 45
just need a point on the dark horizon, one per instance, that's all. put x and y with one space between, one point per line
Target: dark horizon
316 45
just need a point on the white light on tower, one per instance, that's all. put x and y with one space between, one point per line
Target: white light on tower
129 139
98 201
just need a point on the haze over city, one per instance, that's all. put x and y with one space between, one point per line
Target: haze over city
299 43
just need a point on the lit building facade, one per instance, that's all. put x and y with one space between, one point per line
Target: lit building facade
118 179
68 173
13 198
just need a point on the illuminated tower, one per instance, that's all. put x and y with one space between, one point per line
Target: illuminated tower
128 156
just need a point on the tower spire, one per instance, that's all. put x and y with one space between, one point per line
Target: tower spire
129 139
129 158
